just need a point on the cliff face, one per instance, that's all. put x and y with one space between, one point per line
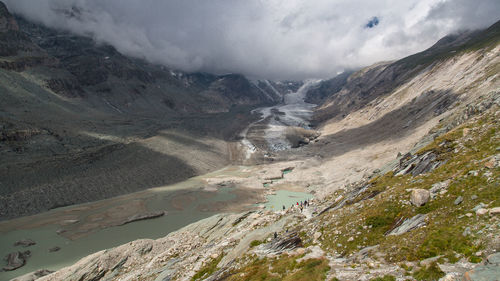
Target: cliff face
81 122
7 21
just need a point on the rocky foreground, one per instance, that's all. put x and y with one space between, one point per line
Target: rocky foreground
432 214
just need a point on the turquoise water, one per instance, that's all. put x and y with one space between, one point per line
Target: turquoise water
286 198
186 212
73 250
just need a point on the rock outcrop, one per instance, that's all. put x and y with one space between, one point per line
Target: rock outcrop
25 243
16 260
7 21
146 216
286 242
490 270
420 197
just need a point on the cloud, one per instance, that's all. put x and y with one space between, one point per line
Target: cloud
277 39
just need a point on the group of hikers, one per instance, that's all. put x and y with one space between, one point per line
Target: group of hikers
301 205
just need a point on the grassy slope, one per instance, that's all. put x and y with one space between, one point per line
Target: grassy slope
465 149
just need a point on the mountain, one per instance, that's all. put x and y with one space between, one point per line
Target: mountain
381 79
81 122
405 176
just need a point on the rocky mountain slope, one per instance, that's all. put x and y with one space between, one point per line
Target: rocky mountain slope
378 228
80 122
430 211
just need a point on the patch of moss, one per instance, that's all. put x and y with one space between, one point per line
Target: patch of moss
384 278
284 268
379 221
208 269
429 273
427 208
443 241
255 243
312 269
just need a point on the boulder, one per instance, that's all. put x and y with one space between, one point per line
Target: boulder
419 197
459 200
487 272
479 206
495 211
481 211
25 243
16 260
54 249
439 187
490 163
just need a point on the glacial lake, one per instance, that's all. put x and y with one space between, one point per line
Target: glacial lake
184 203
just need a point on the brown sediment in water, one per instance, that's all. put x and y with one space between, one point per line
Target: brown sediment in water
79 221
245 199
179 202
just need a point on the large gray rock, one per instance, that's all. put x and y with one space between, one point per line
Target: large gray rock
495 211
278 245
439 188
409 224
417 164
16 260
140 217
25 243
419 197
489 271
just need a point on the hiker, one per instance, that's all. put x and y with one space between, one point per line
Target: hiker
275 235
284 207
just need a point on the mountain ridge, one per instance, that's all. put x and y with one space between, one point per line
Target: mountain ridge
72 109
404 173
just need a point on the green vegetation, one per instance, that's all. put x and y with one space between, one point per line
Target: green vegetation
364 222
385 278
429 273
255 243
284 268
208 269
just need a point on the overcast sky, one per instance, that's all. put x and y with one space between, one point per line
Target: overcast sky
277 39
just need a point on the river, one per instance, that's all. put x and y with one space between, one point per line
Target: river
293 112
83 229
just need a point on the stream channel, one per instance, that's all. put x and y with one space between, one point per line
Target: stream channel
83 229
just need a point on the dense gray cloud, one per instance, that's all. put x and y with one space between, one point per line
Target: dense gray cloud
278 39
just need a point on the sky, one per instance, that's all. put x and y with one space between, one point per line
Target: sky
272 39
